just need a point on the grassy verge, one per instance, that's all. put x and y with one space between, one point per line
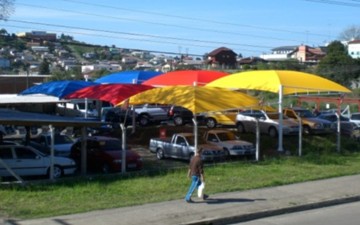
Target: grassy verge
155 184
102 192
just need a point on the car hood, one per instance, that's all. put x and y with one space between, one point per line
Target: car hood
237 142
288 122
316 120
210 147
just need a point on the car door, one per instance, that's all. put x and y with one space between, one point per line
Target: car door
179 147
27 162
94 158
7 156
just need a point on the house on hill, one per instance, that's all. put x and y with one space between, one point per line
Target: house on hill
354 49
302 53
222 57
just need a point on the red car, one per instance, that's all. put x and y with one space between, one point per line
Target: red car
104 154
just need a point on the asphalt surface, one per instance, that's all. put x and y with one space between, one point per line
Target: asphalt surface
222 208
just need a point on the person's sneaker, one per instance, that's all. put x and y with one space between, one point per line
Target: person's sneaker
189 201
205 197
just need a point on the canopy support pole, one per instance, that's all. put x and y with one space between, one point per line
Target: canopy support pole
195 134
52 131
83 154
123 152
257 139
280 130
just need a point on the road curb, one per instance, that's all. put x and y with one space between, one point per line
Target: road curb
275 212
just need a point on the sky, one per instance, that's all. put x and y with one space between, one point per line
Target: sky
193 27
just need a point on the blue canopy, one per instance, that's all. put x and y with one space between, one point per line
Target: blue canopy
128 77
57 88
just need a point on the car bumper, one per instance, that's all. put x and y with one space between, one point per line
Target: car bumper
68 170
242 152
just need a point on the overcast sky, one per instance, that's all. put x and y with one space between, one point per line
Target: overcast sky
190 26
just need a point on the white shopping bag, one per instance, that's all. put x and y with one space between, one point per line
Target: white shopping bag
201 190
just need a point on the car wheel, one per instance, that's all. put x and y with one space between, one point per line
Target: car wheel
144 120
211 123
57 172
240 128
307 130
273 132
226 153
105 168
178 121
160 154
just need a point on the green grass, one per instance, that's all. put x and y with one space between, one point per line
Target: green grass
74 195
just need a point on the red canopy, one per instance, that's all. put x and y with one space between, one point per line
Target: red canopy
185 77
113 93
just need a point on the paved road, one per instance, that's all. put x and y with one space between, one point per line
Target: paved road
345 214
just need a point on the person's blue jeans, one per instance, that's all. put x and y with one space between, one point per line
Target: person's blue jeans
195 183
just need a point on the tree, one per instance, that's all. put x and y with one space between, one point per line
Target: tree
6 8
44 67
338 66
351 33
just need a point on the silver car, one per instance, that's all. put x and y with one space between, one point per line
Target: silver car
27 161
268 123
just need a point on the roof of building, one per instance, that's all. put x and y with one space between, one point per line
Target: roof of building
218 50
354 42
285 48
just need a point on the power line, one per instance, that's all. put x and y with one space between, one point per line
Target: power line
160 24
190 18
164 39
137 34
334 2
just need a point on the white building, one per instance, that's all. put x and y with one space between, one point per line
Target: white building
354 49
280 53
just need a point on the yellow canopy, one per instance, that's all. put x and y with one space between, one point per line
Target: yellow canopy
270 80
196 98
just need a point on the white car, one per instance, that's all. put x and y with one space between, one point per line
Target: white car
62 144
355 118
27 161
231 144
268 123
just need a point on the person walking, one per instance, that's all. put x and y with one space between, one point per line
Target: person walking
196 174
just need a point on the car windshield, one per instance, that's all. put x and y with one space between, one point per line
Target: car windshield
60 139
110 145
355 117
305 113
226 136
275 116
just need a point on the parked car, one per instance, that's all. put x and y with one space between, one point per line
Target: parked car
221 118
346 127
310 123
182 146
355 118
62 144
104 154
27 161
77 108
268 123
118 115
231 144
180 115
151 113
